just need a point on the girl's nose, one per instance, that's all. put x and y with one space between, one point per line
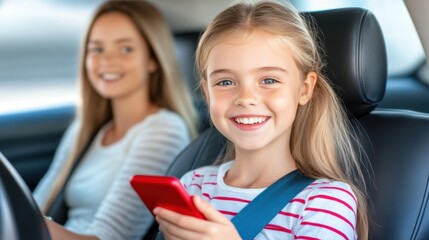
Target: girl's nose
246 96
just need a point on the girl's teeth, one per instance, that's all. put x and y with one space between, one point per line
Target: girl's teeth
251 120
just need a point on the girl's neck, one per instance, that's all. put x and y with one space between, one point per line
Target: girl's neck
258 169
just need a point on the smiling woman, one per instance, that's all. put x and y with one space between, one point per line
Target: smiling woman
135 116
118 58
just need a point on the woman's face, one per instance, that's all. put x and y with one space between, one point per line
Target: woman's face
118 60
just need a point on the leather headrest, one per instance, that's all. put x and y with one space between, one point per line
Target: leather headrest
356 56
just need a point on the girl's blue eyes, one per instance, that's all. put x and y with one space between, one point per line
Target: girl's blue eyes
230 82
225 83
269 81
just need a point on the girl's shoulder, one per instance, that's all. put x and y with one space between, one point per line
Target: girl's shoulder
325 190
327 186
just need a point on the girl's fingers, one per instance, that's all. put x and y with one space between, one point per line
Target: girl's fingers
165 216
178 226
208 211
175 230
166 229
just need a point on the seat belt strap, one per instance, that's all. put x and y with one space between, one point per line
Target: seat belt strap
258 213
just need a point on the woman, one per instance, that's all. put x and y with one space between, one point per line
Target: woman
135 117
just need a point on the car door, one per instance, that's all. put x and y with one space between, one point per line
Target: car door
29 139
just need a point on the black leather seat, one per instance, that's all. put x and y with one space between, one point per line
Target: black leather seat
396 141
186 43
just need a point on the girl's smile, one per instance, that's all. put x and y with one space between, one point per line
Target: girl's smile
250 122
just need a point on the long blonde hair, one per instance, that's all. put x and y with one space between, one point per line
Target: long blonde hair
166 87
322 142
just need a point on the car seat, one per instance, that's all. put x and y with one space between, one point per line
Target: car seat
396 141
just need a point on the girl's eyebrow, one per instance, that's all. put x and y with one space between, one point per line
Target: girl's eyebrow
219 71
262 69
278 69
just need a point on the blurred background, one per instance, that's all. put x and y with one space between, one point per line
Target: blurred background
40 42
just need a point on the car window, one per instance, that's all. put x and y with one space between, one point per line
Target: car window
39 46
39 49
404 49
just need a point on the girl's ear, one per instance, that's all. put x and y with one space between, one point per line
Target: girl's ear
307 88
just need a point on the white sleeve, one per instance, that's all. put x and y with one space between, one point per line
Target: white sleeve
122 215
62 153
330 213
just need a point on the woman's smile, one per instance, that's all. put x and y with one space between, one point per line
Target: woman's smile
110 76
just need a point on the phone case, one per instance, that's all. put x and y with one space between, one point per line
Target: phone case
166 192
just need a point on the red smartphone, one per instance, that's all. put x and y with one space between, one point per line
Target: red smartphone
166 192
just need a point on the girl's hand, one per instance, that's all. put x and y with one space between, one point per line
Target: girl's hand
177 226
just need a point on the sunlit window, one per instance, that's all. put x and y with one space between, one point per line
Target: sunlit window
39 49
40 45
404 49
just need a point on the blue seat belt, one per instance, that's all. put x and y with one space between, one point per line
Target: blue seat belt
258 213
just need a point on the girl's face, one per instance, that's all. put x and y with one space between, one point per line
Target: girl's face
118 60
253 90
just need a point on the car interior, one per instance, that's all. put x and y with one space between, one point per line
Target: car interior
20 217
394 135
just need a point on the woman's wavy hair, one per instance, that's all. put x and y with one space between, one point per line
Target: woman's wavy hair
166 87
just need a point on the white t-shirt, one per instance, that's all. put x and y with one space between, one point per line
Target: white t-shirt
324 210
99 194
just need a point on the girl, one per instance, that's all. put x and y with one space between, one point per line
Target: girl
135 117
261 73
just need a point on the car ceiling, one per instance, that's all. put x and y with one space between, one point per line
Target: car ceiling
193 14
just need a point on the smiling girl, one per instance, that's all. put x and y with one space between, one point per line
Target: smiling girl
261 73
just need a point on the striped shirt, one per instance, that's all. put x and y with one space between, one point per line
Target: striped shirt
324 210
100 197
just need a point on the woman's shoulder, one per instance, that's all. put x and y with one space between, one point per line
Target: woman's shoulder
163 118
163 127
166 114
71 132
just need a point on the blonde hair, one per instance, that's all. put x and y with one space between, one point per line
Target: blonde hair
322 139
166 87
